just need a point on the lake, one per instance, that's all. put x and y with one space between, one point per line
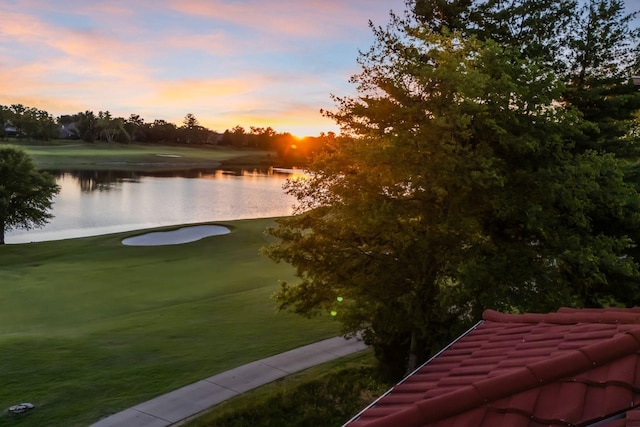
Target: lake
101 202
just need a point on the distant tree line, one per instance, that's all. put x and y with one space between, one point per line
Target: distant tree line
19 121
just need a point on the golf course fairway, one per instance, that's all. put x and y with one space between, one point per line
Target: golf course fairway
90 326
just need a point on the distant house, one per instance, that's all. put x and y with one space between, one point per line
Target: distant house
11 131
570 368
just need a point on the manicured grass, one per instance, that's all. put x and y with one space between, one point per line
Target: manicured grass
324 396
99 155
89 327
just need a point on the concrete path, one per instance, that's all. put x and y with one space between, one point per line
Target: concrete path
178 405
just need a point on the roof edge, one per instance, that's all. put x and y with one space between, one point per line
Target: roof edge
355 418
566 316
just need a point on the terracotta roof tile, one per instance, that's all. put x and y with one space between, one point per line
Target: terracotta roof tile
633 418
573 367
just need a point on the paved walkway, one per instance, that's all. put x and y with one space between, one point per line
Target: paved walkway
178 405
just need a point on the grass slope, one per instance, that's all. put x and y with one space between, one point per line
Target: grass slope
89 327
99 155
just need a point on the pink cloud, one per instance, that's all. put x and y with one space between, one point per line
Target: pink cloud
329 18
95 53
121 9
118 55
216 43
66 69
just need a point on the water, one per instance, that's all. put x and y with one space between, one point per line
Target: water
100 202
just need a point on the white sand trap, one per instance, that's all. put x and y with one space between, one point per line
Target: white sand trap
176 237
169 155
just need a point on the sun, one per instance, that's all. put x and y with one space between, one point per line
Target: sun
297 140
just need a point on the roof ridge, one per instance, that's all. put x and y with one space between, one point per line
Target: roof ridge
593 310
524 378
567 317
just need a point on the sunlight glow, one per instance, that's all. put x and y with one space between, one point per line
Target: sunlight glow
228 63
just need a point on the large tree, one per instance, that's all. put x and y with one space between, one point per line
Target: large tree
88 126
26 194
456 187
110 127
191 132
590 45
593 49
134 127
601 54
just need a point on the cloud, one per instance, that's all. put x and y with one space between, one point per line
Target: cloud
54 106
189 90
67 68
329 18
247 100
215 43
110 8
255 63
95 53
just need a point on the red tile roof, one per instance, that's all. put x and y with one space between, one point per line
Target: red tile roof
570 368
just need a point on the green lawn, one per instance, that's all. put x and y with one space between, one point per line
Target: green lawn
81 155
89 327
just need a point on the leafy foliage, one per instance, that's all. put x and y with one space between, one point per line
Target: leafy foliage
19 120
26 194
590 45
462 183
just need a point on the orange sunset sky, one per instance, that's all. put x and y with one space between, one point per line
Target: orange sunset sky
228 62
249 62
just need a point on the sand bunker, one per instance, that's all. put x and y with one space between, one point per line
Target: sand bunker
176 237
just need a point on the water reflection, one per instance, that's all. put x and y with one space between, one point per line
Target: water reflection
99 180
105 180
100 202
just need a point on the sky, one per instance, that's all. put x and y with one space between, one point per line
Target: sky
229 62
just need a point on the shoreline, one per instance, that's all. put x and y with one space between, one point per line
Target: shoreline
133 232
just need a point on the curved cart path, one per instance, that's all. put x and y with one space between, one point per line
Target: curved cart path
176 406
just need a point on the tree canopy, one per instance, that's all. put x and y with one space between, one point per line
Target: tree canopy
26 194
463 181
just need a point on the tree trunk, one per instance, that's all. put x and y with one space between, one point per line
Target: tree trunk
1 234
414 353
